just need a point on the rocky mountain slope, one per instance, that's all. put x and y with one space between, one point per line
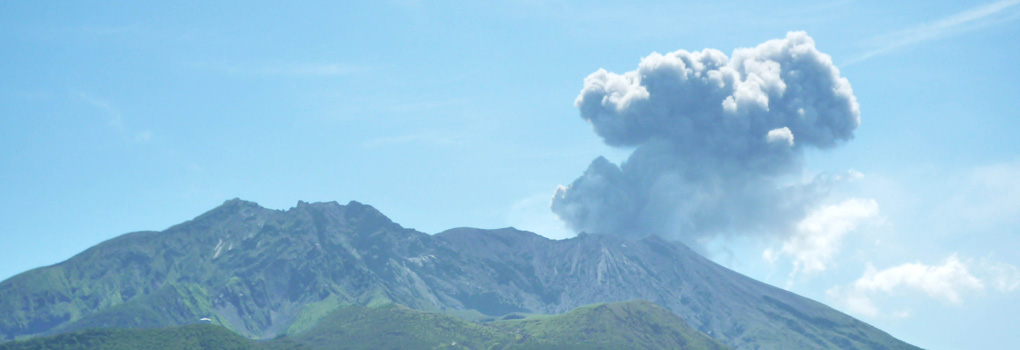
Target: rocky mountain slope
265 273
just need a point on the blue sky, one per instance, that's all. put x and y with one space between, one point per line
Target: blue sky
118 118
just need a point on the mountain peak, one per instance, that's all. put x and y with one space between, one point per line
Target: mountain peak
238 202
268 272
230 208
318 205
365 211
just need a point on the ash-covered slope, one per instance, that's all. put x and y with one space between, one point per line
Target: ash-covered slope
267 272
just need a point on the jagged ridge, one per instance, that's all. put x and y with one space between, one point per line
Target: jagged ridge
265 272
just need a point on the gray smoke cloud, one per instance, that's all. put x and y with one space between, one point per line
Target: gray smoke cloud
716 141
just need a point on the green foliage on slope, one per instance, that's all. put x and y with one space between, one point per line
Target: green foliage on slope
190 337
634 324
397 327
169 306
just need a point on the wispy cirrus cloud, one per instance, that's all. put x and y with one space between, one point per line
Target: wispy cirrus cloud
418 138
987 197
532 214
970 19
290 69
115 120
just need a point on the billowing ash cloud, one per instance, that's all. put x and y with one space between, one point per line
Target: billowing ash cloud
715 139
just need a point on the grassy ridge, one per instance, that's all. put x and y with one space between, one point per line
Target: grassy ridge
633 324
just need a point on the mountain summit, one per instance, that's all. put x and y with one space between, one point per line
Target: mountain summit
265 273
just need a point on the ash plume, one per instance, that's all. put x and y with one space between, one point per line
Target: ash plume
718 141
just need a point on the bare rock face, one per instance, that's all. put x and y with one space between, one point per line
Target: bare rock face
265 272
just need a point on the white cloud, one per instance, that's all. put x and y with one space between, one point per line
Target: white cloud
966 20
854 302
818 237
947 282
781 136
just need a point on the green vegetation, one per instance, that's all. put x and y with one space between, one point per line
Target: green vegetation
191 337
634 324
396 327
312 313
169 306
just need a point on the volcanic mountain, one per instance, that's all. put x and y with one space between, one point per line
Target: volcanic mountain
264 273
